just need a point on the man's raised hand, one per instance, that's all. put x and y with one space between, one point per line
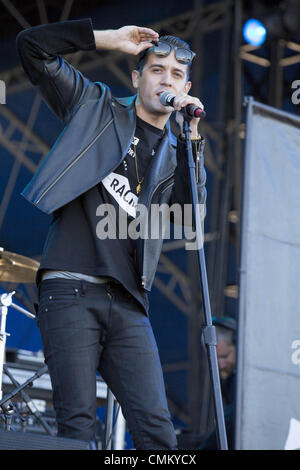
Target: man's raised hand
128 39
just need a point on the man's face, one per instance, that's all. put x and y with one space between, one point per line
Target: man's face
160 74
226 358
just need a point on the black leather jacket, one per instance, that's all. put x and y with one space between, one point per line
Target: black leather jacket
98 130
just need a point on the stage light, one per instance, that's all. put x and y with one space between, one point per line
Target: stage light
254 32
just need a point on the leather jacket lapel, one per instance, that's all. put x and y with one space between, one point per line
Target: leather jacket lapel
123 110
162 166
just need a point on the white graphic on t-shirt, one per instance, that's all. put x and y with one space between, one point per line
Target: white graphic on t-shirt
119 188
134 142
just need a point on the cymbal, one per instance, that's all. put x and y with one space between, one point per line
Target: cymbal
17 268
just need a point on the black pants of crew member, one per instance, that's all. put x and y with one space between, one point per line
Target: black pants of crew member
87 327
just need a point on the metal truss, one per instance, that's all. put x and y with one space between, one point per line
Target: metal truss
282 54
274 60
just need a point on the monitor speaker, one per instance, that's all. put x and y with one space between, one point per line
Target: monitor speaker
10 440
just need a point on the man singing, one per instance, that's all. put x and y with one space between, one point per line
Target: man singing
112 152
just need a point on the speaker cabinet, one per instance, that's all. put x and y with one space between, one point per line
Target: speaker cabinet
10 440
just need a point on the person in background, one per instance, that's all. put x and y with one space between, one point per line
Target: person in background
226 354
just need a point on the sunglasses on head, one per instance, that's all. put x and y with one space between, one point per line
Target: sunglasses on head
163 49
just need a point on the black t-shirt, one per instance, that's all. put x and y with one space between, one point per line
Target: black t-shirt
75 239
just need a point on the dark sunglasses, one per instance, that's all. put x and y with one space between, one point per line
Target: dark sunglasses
163 49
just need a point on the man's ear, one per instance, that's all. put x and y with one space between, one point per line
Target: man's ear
135 78
187 86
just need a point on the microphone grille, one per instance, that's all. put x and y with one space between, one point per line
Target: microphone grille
165 98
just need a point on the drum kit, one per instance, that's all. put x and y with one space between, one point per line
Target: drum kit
17 269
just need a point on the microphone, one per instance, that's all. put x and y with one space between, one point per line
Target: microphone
167 99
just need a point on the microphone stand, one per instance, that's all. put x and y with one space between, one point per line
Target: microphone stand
5 402
209 331
29 403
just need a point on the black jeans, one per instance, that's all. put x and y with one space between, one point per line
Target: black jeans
87 327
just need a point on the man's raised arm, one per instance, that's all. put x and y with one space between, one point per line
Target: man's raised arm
62 86
40 49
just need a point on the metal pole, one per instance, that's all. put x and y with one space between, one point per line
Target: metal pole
237 108
3 335
276 74
5 302
107 444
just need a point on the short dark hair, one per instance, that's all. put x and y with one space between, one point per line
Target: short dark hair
173 41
